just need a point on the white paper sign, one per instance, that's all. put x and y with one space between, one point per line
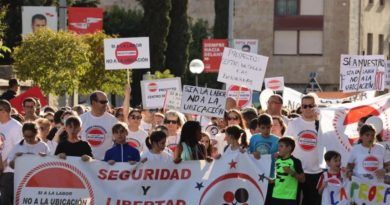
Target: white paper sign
242 68
35 17
291 98
154 91
362 73
387 74
203 101
246 45
172 100
275 83
126 53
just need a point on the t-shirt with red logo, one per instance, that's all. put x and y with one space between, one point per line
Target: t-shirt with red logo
97 131
173 141
334 179
10 135
308 147
367 160
137 140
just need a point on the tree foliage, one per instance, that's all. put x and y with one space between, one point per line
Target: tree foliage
178 38
122 22
221 18
84 3
3 27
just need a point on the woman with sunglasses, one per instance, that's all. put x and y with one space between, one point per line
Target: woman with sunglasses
173 123
44 126
136 137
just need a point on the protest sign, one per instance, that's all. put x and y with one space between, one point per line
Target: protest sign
243 95
172 100
338 123
233 178
387 75
291 98
35 17
34 92
242 68
275 83
125 53
85 20
212 50
246 45
362 73
203 101
154 91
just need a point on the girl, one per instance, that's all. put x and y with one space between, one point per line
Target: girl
210 149
189 147
233 133
278 126
44 129
368 158
156 145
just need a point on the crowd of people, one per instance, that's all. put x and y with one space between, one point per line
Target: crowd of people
136 135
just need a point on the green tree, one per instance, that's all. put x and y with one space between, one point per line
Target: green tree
178 38
3 27
53 60
84 3
221 18
122 22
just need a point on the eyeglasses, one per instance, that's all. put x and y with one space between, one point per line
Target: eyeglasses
308 106
29 106
274 102
170 121
102 101
136 117
232 118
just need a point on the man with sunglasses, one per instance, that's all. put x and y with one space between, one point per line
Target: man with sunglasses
97 125
304 130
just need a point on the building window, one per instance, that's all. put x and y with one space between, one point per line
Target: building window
381 43
369 44
286 7
298 42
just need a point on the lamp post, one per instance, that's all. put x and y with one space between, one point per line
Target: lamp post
196 67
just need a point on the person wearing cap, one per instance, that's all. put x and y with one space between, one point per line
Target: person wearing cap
13 87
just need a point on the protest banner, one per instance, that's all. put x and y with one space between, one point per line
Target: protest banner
125 53
338 123
246 45
35 17
362 73
242 68
212 50
203 101
233 178
85 20
172 100
243 95
154 91
275 83
34 92
291 98
387 75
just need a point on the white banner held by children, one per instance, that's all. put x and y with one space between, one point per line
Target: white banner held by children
362 73
154 91
203 101
242 68
172 100
125 53
37 181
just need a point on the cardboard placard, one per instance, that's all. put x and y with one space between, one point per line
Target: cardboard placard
172 100
154 91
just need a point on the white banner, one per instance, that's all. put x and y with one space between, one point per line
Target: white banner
154 91
339 123
231 179
172 100
275 83
35 17
242 68
203 101
246 45
126 53
387 75
362 73
291 98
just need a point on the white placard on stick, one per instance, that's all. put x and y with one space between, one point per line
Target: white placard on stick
362 73
125 53
154 91
203 101
242 68
246 45
275 83
387 74
172 100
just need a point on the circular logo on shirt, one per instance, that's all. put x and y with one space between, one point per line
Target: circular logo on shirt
307 140
96 136
134 143
41 185
334 181
2 141
371 163
263 148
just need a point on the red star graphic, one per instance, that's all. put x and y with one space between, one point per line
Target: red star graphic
233 164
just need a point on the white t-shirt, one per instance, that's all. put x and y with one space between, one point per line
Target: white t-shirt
230 151
367 160
97 131
146 126
163 156
137 140
52 146
173 141
219 141
10 135
26 148
308 145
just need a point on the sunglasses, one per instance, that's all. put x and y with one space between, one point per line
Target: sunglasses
170 121
232 118
308 106
102 101
135 117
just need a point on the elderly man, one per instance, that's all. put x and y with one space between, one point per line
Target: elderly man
97 125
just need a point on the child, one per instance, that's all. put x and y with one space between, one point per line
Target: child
73 146
333 160
289 173
233 133
121 151
368 159
156 145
